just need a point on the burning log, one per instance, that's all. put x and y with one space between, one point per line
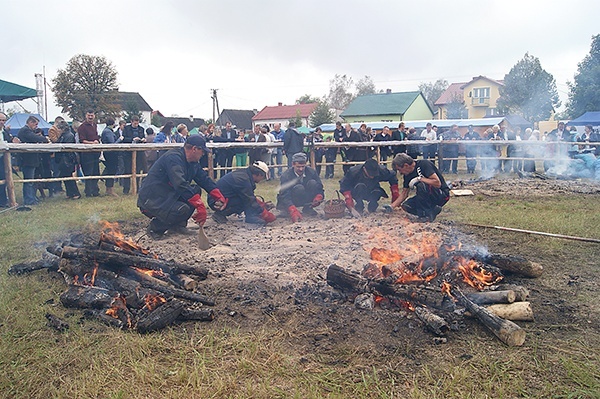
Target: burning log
120 260
507 331
489 297
160 317
345 281
28 267
104 318
188 283
78 296
434 323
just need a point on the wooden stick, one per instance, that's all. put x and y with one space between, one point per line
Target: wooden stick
489 297
541 233
517 311
434 323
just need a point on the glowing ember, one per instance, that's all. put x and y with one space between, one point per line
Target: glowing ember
446 288
153 301
118 308
385 256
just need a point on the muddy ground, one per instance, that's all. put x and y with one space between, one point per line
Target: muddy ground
276 276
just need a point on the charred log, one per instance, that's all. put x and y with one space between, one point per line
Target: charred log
434 323
160 317
101 315
120 260
77 296
507 331
514 264
28 267
345 281
186 282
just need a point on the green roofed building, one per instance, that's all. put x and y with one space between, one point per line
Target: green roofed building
388 107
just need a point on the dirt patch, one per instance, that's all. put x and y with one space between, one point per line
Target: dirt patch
529 186
276 276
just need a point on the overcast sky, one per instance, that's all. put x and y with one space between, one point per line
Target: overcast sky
261 52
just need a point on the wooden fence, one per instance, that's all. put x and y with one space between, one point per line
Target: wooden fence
542 147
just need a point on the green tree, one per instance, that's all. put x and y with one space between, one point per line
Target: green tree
340 92
321 114
307 99
433 91
365 86
156 121
131 109
455 109
297 120
529 91
583 92
87 82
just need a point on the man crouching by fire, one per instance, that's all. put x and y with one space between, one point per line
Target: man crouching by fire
167 195
432 192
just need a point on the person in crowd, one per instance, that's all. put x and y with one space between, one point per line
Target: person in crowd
133 133
471 151
516 151
151 155
241 154
165 135
338 133
293 142
590 136
111 158
384 135
399 135
507 135
182 134
451 149
413 149
30 161
300 187
255 154
361 153
352 153
53 135
361 183
90 161
44 171
529 151
428 134
494 151
278 153
238 187
67 161
271 152
432 192
167 195
221 155
121 162
330 158
314 138
229 135
265 155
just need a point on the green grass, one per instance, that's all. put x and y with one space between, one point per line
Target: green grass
203 361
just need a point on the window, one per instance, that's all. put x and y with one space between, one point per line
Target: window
491 112
482 93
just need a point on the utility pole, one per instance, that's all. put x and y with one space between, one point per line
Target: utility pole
39 86
213 95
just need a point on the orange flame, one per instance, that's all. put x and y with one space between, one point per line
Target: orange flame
385 256
153 301
150 272
475 275
119 305
112 233
406 305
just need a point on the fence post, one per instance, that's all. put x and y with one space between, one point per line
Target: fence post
134 172
441 155
211 169
10 184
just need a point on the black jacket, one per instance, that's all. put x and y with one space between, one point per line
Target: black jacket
169 180
26 135
289 180
356 175
293 142
240 184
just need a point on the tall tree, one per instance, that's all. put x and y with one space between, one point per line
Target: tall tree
297 120
307 99
529 91
583 92
455 109
340 92
321 114
87 82
132 109
433 91
365 86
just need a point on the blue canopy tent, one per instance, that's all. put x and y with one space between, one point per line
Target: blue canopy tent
14 92
17 121
589 118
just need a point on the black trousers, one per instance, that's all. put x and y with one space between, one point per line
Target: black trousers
362 193
427 198
90 164
177 216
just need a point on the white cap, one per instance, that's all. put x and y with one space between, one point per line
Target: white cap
262 166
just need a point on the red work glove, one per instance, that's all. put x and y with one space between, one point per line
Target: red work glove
262 203
395 192
196 201
349 200
294 213
218 197
267 216
317 200
200 215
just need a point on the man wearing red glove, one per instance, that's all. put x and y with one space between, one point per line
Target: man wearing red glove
167 194
238 187
432 192
300 187
361 183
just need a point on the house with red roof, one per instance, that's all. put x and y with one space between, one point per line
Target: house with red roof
283 113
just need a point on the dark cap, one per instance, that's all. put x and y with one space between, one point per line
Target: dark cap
299 157
372 167
197 141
